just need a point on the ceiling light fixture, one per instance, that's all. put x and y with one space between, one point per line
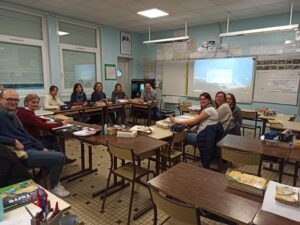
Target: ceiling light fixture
290 27
168 40
153 13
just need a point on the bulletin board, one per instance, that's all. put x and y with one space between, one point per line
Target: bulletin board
277 81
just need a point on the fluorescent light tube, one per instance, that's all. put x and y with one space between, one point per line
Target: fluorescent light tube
167 40
292 27
62 33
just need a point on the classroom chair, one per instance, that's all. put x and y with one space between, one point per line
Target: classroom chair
181 212
174 151
128 171
242 158
252 116
164 113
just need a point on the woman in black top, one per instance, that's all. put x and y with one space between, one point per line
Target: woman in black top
98 94
78 96
235 127
118 93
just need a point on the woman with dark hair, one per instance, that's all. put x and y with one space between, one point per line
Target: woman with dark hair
51 100
78 96
236 113
223 109
98 93
118 93
208 116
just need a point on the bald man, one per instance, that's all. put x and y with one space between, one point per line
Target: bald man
13 134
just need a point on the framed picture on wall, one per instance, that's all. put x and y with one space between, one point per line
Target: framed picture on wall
125 43
110 71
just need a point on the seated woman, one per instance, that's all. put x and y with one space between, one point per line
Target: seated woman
51 100
208 132
235 126
78 97
208 116
223 109
98 93
116 95
36 125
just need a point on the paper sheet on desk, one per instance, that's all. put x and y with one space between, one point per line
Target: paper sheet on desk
273 206
62 127
19 216
183 117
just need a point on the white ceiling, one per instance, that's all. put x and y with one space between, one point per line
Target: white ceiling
123 13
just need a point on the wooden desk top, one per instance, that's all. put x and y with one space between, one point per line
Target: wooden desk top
140 145
207 190
21 216
281 117
160 133
85 108
143 105
291 125
249 144
267 218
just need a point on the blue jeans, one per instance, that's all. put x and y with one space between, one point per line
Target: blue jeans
191 138
53 161
156 113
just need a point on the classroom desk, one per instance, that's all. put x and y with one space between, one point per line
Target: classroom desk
21 216
267 218
207 190
143 147
295 155
291 125
280 117
83 170
82 111
119 108
160 133
255 145
143 108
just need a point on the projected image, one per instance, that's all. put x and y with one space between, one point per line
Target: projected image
219 76
227 74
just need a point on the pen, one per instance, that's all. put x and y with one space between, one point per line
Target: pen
29 212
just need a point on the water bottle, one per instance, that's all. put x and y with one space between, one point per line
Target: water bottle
105 129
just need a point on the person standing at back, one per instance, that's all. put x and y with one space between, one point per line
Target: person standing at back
12 133
149 95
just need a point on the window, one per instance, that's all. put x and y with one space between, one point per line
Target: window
22 50
80 55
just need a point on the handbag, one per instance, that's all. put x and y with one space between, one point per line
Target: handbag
177 127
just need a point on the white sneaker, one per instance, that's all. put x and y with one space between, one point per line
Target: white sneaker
60 191
60 186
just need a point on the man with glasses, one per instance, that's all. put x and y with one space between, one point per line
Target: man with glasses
13 134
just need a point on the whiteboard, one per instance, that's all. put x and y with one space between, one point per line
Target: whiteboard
277 86
174 77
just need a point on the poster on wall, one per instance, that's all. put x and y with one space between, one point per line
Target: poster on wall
110 72
125 43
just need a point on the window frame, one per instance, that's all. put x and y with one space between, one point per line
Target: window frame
43 44
63 46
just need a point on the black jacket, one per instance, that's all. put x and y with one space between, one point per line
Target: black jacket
207 140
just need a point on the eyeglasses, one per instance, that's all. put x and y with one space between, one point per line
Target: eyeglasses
12 100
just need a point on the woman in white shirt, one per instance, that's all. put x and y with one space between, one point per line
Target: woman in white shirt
208 116
51 100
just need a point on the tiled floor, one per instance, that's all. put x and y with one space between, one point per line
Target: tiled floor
88 208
